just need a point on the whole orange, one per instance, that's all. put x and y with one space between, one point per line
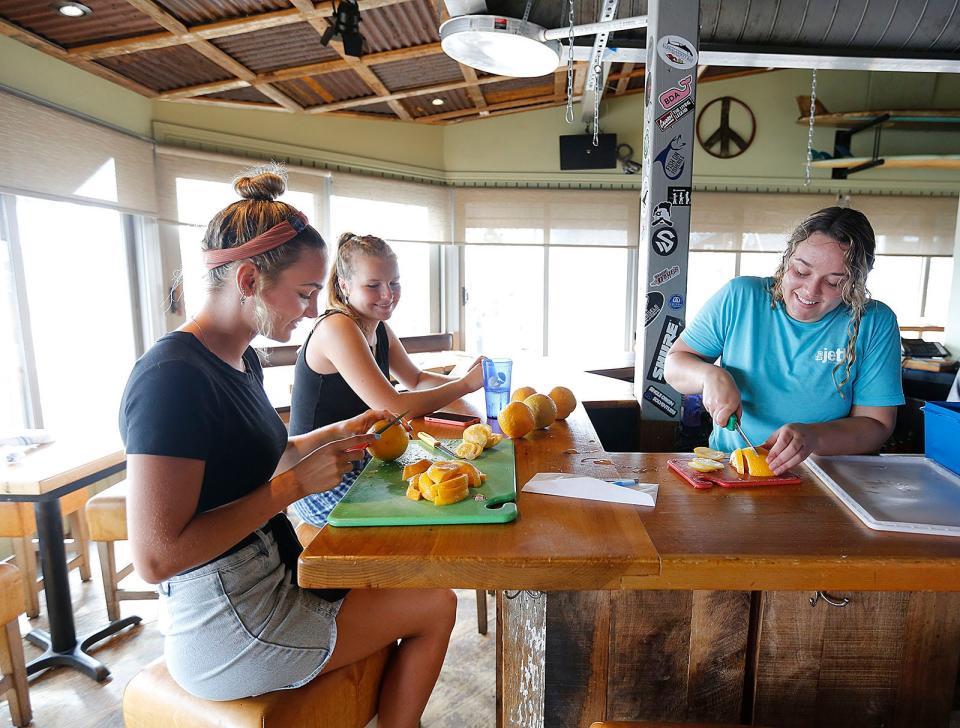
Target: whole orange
543 408
392 443
565 401
522 393
516 420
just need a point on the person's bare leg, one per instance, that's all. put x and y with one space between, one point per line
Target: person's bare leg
422 619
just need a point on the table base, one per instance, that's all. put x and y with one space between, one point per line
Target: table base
76 657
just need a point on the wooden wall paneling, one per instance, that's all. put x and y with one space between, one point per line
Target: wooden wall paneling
719 625
578 641
925 692
521 643
649 649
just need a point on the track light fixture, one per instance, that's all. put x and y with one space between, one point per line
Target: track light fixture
346 26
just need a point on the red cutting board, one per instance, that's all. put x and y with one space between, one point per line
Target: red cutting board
726 478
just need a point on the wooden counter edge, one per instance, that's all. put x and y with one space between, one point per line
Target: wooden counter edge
787 573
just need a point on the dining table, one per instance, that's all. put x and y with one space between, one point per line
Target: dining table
767 605
43 475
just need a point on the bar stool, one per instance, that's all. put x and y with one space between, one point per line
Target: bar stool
344 698
107 521
306 533
18 523
13 670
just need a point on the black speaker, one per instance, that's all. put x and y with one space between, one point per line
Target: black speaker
577 151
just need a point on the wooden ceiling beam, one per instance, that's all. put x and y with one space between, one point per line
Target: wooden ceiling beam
406 94
496 109
473 89
218 29
232 104
208 50
15 32
201 89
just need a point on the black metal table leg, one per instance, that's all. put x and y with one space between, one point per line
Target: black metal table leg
60 645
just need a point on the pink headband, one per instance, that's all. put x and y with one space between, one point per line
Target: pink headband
272 238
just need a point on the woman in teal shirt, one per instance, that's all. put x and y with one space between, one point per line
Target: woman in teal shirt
808 363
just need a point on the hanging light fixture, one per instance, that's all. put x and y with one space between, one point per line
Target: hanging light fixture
73 10
511 47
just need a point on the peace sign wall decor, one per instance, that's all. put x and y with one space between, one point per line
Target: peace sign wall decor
730 137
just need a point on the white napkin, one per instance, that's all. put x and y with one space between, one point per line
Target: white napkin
568 485
14 446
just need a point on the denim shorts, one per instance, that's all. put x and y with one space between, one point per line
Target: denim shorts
240 626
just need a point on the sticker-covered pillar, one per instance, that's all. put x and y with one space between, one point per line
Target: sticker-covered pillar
668 142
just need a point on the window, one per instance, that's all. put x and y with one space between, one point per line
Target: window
708 273
77 291
12 414
897 280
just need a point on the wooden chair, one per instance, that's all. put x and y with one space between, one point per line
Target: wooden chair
18 523
106 516
344 698
13 670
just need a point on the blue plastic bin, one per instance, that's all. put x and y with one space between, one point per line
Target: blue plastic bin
941 425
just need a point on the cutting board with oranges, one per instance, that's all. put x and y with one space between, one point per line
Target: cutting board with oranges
726 477
377 497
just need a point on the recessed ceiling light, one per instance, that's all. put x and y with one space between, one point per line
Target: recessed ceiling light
73 10
437 102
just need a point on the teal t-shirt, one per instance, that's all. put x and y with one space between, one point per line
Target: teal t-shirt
784 368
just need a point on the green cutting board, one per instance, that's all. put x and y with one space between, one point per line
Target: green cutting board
377 497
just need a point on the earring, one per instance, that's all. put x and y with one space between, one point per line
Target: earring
243 298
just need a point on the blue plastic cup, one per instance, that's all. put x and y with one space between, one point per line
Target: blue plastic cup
496 384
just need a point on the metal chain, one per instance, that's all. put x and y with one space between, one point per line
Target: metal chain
526 12
597 92
813 104
571 20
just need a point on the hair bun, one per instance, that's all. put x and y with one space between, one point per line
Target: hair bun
262 183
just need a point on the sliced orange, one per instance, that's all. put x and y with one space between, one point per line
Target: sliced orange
709 453
415 468
746 462
704 465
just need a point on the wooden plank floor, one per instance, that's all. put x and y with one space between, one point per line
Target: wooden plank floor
465 696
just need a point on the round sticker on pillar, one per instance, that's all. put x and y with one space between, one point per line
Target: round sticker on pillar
676 301
676 51
664 241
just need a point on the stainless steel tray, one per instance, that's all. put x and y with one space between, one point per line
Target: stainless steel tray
894 493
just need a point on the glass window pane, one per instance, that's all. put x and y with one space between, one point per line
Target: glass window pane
759 264
897 280
394 221
11 373
938 292
504 311
576 297
708 273
78 292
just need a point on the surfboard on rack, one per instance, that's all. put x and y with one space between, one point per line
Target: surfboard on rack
931 119
909 161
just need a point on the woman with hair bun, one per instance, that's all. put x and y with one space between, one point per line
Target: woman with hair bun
345 364
211 469
809 364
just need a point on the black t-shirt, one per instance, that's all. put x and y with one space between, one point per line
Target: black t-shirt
321 399
183 401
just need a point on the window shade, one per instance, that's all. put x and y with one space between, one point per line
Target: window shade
726 221
402 211
49 152
551 217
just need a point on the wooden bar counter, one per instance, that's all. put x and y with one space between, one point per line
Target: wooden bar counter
698 610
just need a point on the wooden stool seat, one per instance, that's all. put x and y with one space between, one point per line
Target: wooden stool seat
107 523
344 698
13 670
19 524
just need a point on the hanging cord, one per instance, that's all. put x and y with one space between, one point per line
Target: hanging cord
813 105
570 19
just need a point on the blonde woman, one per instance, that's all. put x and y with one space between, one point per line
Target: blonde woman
344 367
808 363
210 467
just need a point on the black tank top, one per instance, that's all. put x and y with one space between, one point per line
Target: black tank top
320 399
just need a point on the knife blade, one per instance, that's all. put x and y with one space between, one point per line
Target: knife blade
733 424
435 443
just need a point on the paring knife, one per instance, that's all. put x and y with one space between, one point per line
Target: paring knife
435 443
380 430
732 425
